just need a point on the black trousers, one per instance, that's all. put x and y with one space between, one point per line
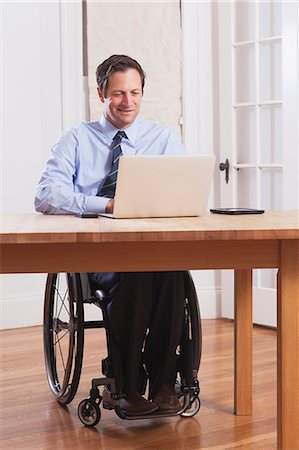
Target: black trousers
146 313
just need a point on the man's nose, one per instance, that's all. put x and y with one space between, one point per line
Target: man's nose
127 98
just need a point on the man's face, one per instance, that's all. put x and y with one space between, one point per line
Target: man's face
123 98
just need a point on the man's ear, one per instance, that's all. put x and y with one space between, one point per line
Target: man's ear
100 94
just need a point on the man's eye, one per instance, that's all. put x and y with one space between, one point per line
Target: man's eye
117 94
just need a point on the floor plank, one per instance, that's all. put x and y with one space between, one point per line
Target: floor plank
32 419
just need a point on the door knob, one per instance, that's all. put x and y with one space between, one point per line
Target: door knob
225 166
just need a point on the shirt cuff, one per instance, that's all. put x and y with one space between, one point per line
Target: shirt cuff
96 204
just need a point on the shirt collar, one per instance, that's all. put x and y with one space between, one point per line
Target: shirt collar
110 131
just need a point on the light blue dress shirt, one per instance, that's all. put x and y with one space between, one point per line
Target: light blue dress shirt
81 160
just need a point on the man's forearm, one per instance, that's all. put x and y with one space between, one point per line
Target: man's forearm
58 200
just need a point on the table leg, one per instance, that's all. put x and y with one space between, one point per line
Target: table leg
288 346
243 342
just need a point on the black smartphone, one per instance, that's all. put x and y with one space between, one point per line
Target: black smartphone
237 211
87 215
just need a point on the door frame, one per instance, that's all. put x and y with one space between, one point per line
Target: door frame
200 118
202 129
289 32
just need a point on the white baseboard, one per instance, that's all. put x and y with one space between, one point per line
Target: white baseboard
27 310
207 284
21 311
209 300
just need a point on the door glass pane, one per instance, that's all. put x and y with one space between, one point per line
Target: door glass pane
269 19
245 74
245 21
271 189
270 71
246 135
271 134
246 188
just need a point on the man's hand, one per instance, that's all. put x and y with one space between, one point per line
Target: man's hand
110 206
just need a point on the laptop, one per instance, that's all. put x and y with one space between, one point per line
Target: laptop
162 186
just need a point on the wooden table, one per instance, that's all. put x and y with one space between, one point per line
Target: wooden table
37 243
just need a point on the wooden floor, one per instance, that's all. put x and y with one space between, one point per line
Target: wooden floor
32 419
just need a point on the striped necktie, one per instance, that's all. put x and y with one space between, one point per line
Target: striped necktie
108 188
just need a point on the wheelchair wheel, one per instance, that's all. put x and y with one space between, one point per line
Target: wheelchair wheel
194 312
193 408
89 412
63 334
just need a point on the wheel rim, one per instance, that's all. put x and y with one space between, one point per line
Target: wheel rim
63 334
193 409
89 413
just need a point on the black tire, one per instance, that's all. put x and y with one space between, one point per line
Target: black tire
63 334
190 348
195 321
193 408
89 412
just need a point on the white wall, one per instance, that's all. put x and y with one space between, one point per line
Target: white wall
41 67
201 117
33 47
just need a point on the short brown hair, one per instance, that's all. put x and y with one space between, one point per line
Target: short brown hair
116 63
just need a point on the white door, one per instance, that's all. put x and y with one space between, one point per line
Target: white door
258 51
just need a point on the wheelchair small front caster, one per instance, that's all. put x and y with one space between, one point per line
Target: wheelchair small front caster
89 412
193 409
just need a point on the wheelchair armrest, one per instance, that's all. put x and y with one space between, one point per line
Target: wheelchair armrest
103 297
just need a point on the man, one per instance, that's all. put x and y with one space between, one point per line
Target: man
146 311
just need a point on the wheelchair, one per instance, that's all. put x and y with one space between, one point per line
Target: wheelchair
66 295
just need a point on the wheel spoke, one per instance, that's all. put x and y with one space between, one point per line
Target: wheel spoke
64 305
66 295
61 337
61 354
62 299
